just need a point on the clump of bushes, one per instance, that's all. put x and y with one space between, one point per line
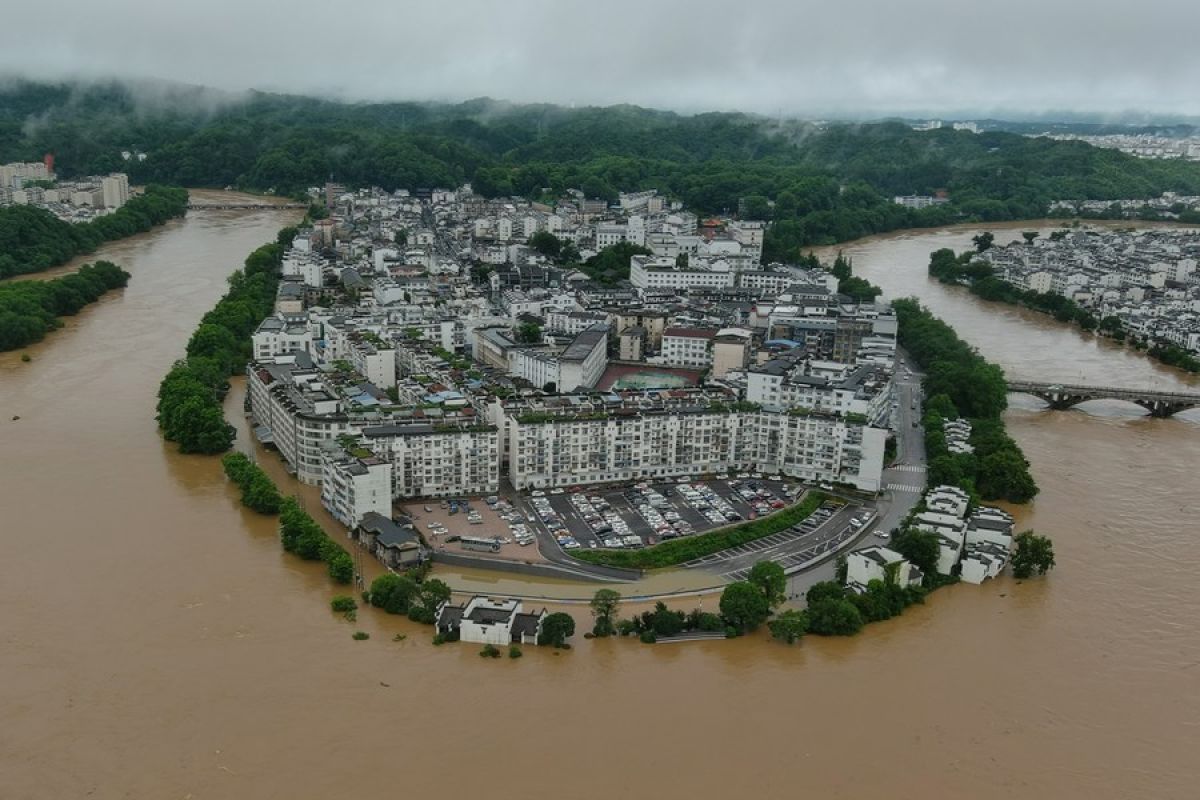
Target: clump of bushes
343 603
302 536
514 651
489 651
412 594
360 636
258 491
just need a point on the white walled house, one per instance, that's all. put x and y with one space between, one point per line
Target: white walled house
983 560
484 620
864 566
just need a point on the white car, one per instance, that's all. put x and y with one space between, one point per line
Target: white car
881 533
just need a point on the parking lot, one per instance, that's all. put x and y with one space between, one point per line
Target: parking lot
476 526
648 513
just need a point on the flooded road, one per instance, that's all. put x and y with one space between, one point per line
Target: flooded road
156 643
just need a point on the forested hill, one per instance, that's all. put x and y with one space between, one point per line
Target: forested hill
827 183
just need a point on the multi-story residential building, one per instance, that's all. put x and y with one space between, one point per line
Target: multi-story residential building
373 358
791 381
296 410
652 321
355 483
308 266
280 335
572 322
730 351
115 190
438 459
748 234
631 343
656 272
586 439
577 367
688 347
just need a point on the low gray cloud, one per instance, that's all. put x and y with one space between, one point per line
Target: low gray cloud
847 57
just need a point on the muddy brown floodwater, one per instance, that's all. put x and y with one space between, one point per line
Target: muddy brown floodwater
157 644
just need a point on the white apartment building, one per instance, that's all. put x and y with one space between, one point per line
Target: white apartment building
826 387
587 439
748 234
115 190
308 266
609 234
767 281
653 272
373 358
573 322
295 410
438 459
24 171
688 347
578 367
354 485
281 336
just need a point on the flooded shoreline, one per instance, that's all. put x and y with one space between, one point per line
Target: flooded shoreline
157 642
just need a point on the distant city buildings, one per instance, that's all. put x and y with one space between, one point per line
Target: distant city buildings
34 184
1147 280
1142 145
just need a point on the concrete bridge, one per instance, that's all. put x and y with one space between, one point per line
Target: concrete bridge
242 206
1061 396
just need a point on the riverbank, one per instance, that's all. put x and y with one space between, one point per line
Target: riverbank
33 240
30 310
158 647
961 269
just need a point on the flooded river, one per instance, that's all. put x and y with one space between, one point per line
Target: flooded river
156 643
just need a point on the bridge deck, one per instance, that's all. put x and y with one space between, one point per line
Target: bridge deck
1105 392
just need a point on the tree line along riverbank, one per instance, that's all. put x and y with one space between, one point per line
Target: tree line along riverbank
33 239
189 397
963 269
31 309
960 383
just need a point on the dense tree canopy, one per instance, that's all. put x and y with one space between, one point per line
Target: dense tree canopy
33 239
964 383
817 184
744 606
1033 554
30 309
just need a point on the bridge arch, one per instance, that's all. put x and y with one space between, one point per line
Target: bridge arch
1064 396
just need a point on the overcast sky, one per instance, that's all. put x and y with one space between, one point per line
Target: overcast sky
872 57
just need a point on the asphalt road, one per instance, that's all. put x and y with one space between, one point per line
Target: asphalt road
903 480
788 548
